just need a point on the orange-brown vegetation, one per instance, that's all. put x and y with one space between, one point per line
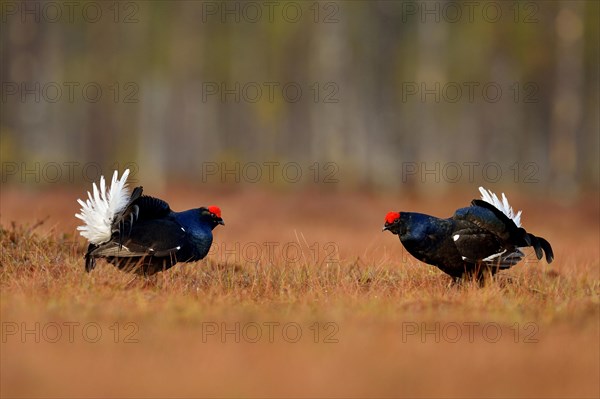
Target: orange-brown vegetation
302 296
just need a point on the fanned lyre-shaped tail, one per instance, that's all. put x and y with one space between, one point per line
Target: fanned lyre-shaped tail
524 239
100 209
503 206
541 246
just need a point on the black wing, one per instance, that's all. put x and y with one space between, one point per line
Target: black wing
140 208
488 218
151 208
156 237
476 245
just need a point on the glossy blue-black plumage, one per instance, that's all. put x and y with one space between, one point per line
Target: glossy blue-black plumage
149 237
199 231
476 240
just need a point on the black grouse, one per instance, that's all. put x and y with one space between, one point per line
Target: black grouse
140 233
477 241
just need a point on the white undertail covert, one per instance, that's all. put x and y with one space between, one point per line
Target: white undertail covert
100 209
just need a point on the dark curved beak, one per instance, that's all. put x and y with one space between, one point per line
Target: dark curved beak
221 222
386 227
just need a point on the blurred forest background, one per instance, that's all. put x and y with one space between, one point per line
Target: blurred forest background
372 94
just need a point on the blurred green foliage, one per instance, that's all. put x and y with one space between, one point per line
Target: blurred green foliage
376 87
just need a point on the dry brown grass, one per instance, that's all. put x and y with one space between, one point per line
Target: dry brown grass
371 301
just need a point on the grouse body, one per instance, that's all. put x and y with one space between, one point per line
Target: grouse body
481 239
140 233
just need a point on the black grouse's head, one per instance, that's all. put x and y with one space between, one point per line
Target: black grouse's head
212 215
392 222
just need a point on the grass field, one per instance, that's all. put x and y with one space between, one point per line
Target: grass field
303 295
